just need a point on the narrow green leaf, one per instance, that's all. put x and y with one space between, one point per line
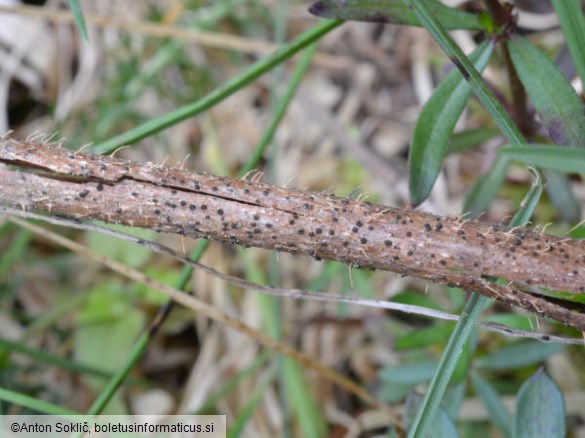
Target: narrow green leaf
435 125
410 374
231 86
245 413
392 392
499 415
78 17
529 202
423 337
454 399
429 409
557 103
441 426
33 403
304 405
470 138
430 405
540 409
570 160
561 195
518 355
572 23
478 84
486 188
464 360
392 11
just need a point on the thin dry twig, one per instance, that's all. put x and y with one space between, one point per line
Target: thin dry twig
293 293
442 250
205 38
210 312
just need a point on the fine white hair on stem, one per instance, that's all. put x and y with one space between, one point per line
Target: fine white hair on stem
292 293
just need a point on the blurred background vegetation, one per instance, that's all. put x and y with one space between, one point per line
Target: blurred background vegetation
66 324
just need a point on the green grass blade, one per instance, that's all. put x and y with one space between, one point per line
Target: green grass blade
430 405
529 202
78 17
540 409
231 384
42 357
392 11
40 406
442 425
561 195
306 408
248 75
14 251
435 125
557 103
142 343
475 304
280 110
572 23
486 188
570 160
116 381
499 415
244 414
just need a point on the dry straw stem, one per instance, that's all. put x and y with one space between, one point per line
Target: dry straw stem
211 312
277 291
205 38
443 250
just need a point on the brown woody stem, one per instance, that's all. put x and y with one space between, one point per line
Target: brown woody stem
443 250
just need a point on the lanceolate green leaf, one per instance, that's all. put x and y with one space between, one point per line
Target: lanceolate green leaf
392 11
572 23
78 17
442 425
499 415
517 355
486 188
471 138
540 409
227 89
571 160
435 125
430 404
557 103
561 195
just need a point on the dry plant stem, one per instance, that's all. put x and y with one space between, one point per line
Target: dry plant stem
205 38
210 312
444 250
286 293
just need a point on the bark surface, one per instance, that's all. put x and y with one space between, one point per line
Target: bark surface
452 251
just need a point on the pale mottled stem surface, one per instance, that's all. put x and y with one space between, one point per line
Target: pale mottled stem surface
438 249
